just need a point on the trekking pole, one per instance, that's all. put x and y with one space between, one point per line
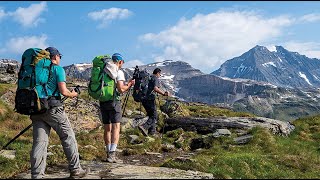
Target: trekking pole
77 89
126 100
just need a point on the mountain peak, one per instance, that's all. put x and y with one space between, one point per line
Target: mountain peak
280 49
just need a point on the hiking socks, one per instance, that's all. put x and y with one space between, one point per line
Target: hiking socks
108 147
113 147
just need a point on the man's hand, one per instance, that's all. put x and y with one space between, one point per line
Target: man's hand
166 93
132 82
73 93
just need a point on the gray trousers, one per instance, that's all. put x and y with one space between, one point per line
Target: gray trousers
42 123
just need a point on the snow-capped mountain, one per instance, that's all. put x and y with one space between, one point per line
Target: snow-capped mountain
79 71
260 96
277 66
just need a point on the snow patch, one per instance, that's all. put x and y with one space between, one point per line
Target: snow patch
304 77
269 64
83 66
272 48
170 77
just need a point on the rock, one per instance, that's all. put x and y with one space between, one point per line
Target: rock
90 147
135 112
126 124
134 139
221 132
210 124
149 139
153 153
184 159
128 112
10 154
243 139
168 147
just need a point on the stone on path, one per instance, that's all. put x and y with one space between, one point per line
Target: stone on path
101 170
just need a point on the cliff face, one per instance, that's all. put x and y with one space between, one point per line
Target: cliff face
259 98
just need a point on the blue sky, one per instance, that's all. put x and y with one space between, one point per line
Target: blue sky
205 34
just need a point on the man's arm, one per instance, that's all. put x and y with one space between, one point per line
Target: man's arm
123 87
65 91
158 90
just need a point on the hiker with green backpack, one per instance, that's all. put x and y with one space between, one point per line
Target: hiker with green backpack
106 84
42 78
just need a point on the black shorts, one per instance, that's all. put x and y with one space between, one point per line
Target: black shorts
111 112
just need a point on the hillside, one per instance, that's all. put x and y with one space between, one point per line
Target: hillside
225 153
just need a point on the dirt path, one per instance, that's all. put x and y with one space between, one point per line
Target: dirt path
102 170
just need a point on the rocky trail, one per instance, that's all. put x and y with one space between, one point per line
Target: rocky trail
129 167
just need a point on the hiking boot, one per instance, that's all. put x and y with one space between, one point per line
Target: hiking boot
143 130
112 157
79 173
108 156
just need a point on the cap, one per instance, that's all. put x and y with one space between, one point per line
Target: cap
53 51
117 57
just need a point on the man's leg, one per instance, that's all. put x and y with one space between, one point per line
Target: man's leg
153 116
38 155
115 133
115 120
107 137
149 111
60 123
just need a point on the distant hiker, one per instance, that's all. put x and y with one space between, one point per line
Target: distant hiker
111 109
149 104
56 119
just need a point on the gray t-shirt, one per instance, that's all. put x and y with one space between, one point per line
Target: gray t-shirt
154 81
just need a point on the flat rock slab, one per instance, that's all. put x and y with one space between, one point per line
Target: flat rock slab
101 170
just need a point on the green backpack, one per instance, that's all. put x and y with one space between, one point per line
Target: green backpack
101 86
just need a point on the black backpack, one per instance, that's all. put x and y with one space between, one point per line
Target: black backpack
140 89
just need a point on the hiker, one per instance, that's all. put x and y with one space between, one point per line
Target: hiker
56 119
111 110
149 104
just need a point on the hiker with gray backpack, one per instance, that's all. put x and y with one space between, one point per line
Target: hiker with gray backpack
145 90
41 81
106 84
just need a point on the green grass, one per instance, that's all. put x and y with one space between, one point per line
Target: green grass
209 111
266 156
5 87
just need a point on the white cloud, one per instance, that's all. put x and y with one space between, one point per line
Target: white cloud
2 13
310 49
19 44
133 63
108 15
29 16
206 41
310 18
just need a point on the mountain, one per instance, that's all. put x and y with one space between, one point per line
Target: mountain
79 71
171 72
280 67
259 96
245 95
9 70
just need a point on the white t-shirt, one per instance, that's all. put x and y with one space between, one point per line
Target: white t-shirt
120 76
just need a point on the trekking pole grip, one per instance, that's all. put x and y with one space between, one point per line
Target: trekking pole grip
77 89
